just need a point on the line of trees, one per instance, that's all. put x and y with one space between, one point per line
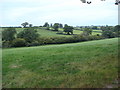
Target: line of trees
67 29
25 24
110 32
11 38
30 37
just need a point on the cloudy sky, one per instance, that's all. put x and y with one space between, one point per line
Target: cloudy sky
71 12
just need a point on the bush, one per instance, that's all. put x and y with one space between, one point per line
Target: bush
34 43
95 37
19 42
79 38
29 34
108 34
8 34
6 44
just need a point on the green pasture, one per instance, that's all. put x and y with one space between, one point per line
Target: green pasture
49 33
92 64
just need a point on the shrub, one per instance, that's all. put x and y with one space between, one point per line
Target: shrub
6 44
79 38
108 34
8 34
18 42
34 43
29 34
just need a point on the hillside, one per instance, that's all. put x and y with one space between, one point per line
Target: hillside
49 33
78 65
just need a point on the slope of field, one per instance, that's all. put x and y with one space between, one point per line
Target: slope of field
49 33
78 65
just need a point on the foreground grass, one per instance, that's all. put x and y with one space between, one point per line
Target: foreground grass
79 65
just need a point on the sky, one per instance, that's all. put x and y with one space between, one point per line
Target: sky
71 12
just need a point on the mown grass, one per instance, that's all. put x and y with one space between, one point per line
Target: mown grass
92 64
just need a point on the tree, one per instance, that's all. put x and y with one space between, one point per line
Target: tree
117 30
68 29
29 34
30 25
108 34
108 31
51 25
103 28
95 27
46 24
8 34
25 24
56 26
60 25
87 31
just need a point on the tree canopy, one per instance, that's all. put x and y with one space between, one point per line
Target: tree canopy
68 29
8 34
29 34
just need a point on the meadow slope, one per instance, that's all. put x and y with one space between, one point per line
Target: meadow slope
92 64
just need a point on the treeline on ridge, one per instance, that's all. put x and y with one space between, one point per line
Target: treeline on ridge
29 36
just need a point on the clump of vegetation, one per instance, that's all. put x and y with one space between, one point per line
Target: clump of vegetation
68 29
8 34
29 34
110 32
19 42
87 31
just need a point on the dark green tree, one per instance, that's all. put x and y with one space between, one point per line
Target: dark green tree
46 24
68 29
51 25
108 34
56 26
29 34
117 30
8 34
30 25
25 24
94 27
60 25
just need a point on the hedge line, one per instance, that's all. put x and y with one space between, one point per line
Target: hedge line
20 42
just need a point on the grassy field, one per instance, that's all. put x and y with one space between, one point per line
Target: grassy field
78 65
49 33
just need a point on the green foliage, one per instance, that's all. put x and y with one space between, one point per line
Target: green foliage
95 27
104 28
108 34
18 42
56 26
117 30
6 44
8 34
60 25
68 29
51 25
34 43
25 24
29 34
108 31
46 24
30 25
87 31
47 28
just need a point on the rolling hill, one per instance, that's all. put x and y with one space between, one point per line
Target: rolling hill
92 64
